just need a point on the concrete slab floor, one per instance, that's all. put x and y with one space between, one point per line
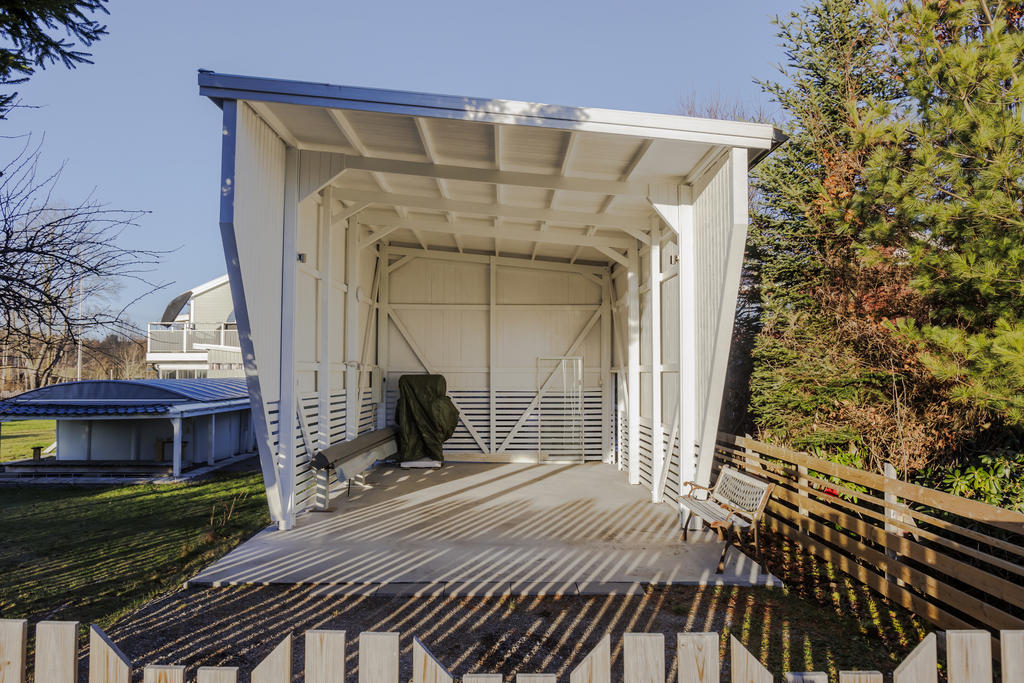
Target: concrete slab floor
471 529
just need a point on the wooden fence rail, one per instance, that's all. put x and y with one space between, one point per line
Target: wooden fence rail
956 562
968 660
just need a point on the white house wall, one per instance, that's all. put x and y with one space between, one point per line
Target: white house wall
213 305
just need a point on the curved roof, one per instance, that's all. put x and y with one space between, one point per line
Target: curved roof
122 397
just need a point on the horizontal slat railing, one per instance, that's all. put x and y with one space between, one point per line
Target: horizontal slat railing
698 659
958 563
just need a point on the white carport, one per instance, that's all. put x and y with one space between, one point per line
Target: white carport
372 233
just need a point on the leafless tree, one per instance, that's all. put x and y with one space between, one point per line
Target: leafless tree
59 266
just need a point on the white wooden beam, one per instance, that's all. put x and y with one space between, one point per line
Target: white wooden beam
585 271
606 364
286 407
325 346
439 225
383 332
654 317
492 347
633 365
175 445
348 211
687 339
405 201
352 329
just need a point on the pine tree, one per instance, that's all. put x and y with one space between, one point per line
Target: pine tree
944 186
27 28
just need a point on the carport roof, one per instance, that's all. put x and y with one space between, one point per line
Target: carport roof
488 175
122 397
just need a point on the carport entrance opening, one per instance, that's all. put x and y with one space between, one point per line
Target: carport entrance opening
571 271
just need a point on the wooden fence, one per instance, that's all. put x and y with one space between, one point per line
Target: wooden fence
968 660
955 562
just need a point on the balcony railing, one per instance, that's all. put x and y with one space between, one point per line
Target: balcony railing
189 337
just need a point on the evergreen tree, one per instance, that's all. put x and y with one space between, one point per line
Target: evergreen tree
944 186
27 28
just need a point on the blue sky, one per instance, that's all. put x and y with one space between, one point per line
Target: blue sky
134 132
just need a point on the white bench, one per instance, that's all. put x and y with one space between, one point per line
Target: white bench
735 503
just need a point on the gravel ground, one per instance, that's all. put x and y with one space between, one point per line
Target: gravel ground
238 626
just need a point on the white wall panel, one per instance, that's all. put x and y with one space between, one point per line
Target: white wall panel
258 215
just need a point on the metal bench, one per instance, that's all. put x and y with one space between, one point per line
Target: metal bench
350 459
735 503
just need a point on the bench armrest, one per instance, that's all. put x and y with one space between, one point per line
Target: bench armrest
695 485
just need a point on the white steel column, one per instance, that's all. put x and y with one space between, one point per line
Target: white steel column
383 324
607 449
633 365
492 349
175 446
323 377
352 329
654 283
212 437
286 407
687 340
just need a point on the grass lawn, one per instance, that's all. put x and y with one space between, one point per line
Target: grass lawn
91 554
18 438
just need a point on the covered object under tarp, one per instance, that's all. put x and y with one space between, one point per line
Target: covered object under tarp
426 417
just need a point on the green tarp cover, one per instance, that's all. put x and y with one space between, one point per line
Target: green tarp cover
425 415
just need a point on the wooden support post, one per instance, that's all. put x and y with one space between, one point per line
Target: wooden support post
383 329
325 346
175 446
802 482
286 424
136 455
211 457
352 329
607 448
654 318
492 351
687 340
633 366
891 501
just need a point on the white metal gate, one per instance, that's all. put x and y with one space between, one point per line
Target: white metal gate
560 433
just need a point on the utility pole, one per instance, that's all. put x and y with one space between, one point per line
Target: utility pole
81 294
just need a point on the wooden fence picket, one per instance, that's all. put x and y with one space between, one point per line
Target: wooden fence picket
378 657
482 678
969 656
13 639
1011 647
56 652
643 657
860 677
806 677
698 657
277 666
107 664
596 667
425 667
745 667
325 657
217 674
536 678
920 665
163 673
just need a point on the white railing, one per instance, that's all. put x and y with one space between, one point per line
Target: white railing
183 337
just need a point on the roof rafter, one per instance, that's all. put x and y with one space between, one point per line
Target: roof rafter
482 209
440 225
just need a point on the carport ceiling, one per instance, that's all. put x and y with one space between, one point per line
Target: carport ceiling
490 176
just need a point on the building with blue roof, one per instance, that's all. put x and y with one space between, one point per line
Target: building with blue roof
137 425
